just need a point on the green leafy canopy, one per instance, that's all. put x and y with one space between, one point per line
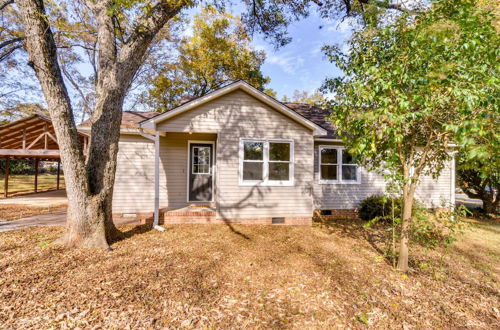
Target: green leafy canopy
413 88
219 52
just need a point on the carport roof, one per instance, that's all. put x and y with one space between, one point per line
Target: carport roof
30 137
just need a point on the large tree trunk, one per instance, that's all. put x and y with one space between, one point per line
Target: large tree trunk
408 195
90 179
89 188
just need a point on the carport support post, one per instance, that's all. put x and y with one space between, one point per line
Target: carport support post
7 170
58 173
36 174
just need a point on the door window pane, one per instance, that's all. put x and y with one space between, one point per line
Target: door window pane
252 171
328 156
279 151
329 172
253 151
201 160
279 171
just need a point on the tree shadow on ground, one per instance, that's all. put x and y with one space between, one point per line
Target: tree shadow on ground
129 232
377 236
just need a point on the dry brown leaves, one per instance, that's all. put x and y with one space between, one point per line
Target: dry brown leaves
208 276
18 211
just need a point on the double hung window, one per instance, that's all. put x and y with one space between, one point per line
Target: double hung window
268 162
336 165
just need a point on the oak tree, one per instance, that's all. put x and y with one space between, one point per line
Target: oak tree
218 53
315 98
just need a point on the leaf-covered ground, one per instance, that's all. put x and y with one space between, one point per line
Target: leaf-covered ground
18 211
328 275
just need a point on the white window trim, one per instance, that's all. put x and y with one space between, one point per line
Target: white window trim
265 166
339 167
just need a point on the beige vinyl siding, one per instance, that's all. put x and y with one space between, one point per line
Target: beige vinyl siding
436 193
134 180
239 115
344 196
432 193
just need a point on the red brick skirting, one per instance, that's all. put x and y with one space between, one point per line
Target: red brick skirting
288 221
205 217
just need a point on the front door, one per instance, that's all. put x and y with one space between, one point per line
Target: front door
200 172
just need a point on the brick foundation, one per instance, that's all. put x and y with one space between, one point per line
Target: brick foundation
197 217
140 218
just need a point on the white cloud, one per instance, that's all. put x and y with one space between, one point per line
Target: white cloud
344 26
288 62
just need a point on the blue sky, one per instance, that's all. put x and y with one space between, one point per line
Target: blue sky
301 65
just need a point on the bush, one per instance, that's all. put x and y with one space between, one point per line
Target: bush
379 206
433 229
17 166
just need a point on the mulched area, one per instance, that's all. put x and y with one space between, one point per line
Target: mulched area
17 211
216 276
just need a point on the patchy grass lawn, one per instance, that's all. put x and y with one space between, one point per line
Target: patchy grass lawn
18 211
207 276
20 183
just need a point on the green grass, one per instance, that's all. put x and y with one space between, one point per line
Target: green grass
26 183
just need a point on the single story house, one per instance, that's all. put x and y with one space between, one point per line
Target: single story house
237 155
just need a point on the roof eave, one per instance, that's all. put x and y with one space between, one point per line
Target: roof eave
85 129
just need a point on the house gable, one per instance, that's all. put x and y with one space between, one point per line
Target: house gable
241 86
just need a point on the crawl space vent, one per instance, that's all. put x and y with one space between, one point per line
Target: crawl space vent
277 220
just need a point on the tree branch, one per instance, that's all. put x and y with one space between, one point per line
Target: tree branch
10 41
6 54
107 51
5 4
42 51
144 33
384 4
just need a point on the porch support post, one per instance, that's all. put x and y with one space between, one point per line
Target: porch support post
58 173
7 171
157 180
36 174
156 140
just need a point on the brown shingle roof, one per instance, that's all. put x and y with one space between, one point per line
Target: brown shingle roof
130 119
315 114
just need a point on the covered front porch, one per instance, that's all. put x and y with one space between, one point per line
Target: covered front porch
184 180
